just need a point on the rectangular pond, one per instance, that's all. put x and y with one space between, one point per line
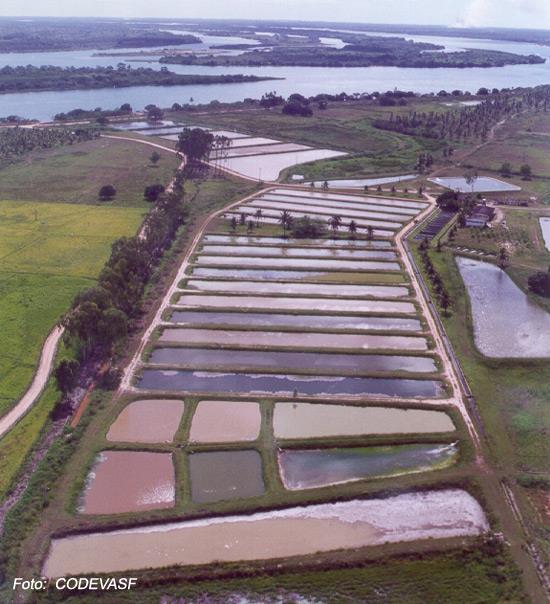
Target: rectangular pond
296 303
482 184
304 263
257 383
545 227
319 289
298 252
225 422
220 319
263 149
291 339
266 274
147 421
324 243
237 143
354 198
222 475
360 183
129 481
342 206
318 420
211 358
506 322
315 468
276 534
344 212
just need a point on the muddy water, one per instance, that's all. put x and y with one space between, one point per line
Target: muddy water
325 243
278 534
225 421
257 383
309 469
291 339
147 421
297 252
318 289
344 213
221 475
281 303
312 420
308 263
129 481
210 358
341 205
252 141
343 197
506 322
220 319
273 217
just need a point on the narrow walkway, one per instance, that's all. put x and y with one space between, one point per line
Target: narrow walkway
38 383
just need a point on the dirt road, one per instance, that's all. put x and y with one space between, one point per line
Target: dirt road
38 383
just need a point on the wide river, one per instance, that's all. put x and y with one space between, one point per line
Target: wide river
305 80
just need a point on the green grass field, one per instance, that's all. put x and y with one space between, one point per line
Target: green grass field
48 252
74 174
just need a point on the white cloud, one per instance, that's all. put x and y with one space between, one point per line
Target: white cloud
486 13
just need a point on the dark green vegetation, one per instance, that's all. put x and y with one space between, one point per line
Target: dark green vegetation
360 51
480 574
39 35
30 78
17 142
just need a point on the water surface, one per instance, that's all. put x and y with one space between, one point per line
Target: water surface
257 383
298 252
225 421
324 243
306 263
314 468
359 204
208 358
506 322
317 420
545 226
147 421
222 475
191 317
282 533
129 481
482 184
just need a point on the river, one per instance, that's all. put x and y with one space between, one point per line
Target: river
305 80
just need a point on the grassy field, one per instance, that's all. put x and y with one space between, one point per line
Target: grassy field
343 126
74 174
48 252
453 578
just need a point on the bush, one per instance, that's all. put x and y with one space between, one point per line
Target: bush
152 192
308 228
539 283
107 192
296 108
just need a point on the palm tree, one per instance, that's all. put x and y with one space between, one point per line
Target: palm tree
334 222
503 258
258 216
370 232
285 219
352 228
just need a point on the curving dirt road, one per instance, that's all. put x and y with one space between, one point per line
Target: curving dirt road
38 383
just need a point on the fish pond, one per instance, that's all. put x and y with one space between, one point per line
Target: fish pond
217 382
506 322
314 468
254 319
319 420
225 421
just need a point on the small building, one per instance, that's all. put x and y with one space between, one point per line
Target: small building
480 216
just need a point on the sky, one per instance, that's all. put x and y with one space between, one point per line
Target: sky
459 13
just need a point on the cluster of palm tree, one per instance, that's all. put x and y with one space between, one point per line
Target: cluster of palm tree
441 292
15 142
467 123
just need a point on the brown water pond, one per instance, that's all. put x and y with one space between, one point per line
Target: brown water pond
225 421
276 534
129 481
221 475
147 421
312 420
